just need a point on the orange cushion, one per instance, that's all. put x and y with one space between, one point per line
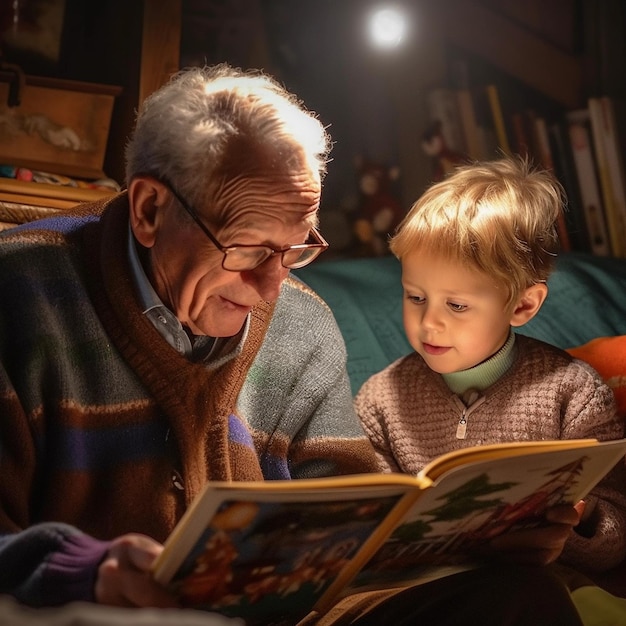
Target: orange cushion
607 355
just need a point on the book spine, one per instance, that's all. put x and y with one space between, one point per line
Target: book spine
498 119
443 107
615 222
544 154
521 140
566 173
469 125
484 124
615 167
591 199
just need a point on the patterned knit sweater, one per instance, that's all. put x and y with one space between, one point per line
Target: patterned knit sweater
411 417
107 429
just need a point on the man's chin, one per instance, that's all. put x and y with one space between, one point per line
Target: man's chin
220 329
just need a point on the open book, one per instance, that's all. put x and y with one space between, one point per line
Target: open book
275 550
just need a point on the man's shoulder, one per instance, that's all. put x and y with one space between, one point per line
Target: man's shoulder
58 227
302 315
297 294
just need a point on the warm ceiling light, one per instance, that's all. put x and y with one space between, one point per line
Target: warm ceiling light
387 27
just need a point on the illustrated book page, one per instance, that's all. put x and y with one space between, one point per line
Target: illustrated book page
277 549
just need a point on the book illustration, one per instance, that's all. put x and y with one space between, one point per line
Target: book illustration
490 148
446 532
271 557
443 108
274 550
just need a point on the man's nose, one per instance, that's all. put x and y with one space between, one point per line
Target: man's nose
268 277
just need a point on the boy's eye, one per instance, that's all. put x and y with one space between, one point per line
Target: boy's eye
416 299
457 308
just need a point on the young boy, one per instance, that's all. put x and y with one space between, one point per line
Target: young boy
476 251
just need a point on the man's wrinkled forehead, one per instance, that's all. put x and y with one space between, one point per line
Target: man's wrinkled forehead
295 195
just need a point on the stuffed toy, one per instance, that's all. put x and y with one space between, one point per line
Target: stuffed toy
379 211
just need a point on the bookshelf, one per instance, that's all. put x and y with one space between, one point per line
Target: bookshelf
554 94
543 57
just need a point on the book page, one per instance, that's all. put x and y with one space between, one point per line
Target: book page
469 505
270 555
450 460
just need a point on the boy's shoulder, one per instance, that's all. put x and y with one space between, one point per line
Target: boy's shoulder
607 356
542 358
529 346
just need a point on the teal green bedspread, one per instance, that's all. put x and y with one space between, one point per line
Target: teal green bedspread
587 299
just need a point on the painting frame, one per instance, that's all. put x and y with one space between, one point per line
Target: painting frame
60 126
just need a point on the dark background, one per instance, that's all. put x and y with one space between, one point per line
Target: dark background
548 54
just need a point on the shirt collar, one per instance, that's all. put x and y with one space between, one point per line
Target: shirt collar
486 373
148 298
169 326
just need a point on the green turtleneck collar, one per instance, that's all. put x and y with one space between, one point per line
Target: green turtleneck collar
484 374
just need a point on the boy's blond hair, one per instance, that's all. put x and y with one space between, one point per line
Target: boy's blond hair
497 216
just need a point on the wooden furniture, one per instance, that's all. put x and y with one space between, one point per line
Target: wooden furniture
126 50
22 201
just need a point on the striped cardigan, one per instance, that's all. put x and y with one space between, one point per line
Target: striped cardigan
106 429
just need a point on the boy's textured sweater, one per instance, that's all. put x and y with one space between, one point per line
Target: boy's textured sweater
102 422
411 417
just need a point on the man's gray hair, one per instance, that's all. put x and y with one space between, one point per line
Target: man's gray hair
213 123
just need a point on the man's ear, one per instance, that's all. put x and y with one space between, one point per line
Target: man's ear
145 196
529 304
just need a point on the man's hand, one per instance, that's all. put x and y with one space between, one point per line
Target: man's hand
541 545
125 578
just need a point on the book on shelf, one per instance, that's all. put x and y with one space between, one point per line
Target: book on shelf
485 126
543 152
473 142
276 550
443 107
588 184
565 170
521 134
495 106
611 170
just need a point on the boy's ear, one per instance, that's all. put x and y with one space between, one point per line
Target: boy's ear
529 304
145 196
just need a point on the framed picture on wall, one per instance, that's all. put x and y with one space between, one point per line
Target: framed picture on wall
59 126
31 33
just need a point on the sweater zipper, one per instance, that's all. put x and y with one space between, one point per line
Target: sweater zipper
475 402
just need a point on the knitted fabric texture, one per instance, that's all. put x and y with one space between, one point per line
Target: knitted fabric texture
607 355
411 417
102 421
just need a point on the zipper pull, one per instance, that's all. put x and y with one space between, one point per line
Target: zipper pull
471 400
462 426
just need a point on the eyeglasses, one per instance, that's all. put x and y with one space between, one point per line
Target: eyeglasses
244 257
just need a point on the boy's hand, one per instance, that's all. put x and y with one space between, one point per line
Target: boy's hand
541 545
